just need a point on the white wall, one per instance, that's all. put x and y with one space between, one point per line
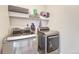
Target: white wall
65 19
22 23
4 22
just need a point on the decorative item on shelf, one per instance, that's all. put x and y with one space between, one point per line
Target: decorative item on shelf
32 28
45 14
27 25
34 14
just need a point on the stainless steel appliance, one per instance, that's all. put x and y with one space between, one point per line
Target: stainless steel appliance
48 41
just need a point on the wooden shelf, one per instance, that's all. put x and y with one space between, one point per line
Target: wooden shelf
18 9
28 18
21 10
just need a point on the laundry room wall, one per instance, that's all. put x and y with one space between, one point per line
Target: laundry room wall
65 19
4 23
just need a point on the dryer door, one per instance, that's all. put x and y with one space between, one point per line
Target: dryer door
52 43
